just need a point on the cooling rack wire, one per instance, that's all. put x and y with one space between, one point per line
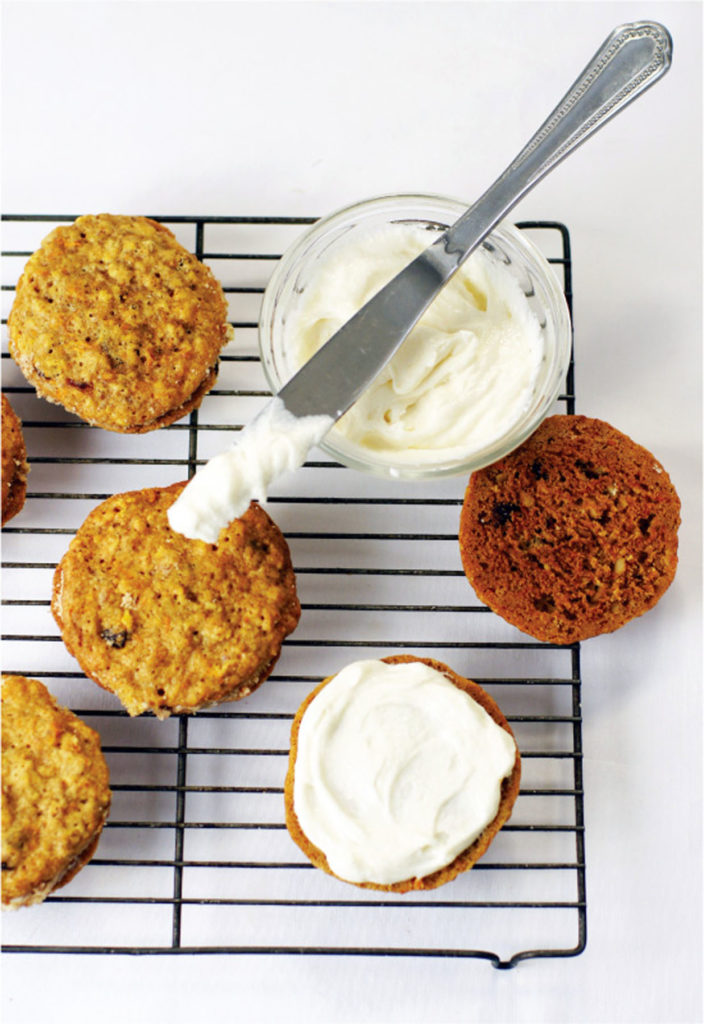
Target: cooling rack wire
195 857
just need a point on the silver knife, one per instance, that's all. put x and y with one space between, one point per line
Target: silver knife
629 61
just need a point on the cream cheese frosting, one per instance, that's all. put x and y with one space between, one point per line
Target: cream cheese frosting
463 377
397 771
274 443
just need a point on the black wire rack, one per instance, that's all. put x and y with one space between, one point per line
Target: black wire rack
195 857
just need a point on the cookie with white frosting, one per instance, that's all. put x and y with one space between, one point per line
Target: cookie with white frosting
401 772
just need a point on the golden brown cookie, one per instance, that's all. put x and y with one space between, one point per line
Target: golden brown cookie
14 463
468 857
55 793
171 625
573 534
114 320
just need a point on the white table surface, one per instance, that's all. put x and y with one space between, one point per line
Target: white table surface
288 108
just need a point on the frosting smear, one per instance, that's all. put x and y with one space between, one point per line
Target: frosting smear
397 771
274 443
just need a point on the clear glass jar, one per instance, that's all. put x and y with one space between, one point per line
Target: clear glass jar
506 244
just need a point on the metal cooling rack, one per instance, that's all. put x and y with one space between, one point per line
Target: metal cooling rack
195 857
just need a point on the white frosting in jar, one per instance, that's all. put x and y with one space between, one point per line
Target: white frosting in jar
275 442
397 771
463 377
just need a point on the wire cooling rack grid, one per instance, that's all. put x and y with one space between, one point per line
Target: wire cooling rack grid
195 857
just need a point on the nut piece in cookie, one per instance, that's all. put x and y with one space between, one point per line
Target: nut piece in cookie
172 625
573 534
400 774
114 320
55 793
14 463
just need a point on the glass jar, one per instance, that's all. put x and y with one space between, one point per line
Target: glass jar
506 244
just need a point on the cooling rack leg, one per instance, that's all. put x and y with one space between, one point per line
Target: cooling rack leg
179 837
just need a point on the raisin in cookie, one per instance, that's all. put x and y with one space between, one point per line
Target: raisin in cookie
573 534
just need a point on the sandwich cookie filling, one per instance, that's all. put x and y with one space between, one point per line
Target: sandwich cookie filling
397 771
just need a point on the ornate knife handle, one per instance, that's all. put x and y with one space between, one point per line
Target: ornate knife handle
630 60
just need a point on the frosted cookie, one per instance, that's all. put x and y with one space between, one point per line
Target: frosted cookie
14 463
114 320
573 534
55 793
400 774
172 625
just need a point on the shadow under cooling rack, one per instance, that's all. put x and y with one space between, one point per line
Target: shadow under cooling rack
195 857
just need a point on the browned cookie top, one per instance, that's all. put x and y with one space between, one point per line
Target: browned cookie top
55 792
117 322
170 624
14 463
573 534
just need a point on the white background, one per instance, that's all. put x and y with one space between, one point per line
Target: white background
290 108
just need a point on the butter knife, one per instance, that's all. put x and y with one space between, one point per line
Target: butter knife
630 60
277 441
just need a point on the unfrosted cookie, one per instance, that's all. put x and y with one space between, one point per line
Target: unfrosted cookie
168 624
401 773
573 534
55 793
114 320
14 463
